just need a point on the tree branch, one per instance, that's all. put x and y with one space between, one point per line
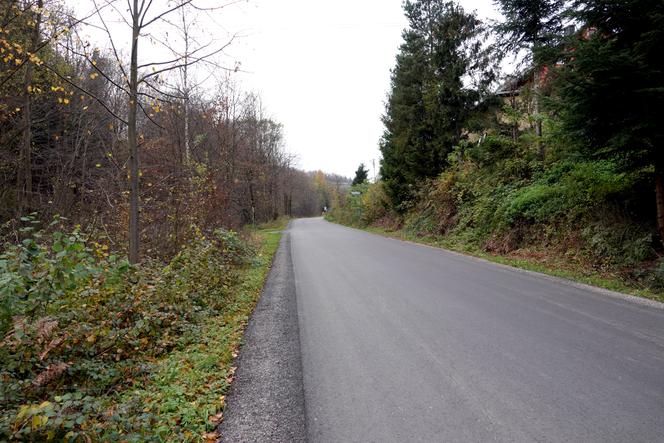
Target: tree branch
174 8
110 38
145 65
182 65
88 93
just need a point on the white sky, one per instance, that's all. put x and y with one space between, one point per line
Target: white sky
321 67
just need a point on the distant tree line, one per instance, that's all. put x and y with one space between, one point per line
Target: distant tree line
71 114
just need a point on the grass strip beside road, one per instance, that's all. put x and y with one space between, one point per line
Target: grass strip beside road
187 392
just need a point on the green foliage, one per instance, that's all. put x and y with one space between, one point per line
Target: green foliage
610 97
532 24
375 204
82 328
491 149
365 204
361 175
431 98
569 189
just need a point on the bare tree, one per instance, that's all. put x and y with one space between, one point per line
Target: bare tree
24 175
141 81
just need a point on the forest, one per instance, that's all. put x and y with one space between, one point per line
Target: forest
66 136
133 201
535 140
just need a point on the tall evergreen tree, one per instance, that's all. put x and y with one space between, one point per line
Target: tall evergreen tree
361 175
612 88
437 84
530 24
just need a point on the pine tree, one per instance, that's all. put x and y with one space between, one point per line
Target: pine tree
611 92
438 82
532 25
361 175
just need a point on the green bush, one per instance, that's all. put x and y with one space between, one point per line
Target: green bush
491 149
81 325
653 276
375 203
567 190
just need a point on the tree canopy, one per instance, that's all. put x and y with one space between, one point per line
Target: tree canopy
440 78
361 175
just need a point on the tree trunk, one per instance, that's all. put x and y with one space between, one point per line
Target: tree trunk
253 205
133 141
185 81
659 199
541 149
24 171
515 125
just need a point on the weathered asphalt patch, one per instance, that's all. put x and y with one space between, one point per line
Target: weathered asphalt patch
266 400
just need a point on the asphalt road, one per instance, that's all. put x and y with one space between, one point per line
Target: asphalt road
402 342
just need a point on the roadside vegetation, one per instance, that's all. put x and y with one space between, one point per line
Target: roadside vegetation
556 167
130 192
96 349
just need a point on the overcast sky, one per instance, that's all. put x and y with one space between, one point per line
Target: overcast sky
321 67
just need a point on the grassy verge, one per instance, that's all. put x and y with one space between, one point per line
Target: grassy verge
186 394
557 267
95 349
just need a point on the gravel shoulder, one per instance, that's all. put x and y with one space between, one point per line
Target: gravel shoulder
266 400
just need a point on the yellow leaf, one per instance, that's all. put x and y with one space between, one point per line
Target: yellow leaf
22 411
38 421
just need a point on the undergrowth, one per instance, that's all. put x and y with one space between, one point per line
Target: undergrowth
94 349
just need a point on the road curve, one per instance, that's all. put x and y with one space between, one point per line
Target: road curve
402 342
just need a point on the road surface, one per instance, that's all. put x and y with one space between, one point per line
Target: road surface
402 342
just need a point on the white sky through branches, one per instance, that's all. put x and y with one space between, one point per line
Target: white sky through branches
322 68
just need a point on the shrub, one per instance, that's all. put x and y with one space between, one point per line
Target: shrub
375 203
567 190
491 149
80 325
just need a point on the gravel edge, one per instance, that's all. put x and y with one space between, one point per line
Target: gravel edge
266 399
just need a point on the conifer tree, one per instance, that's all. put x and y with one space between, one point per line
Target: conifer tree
611 92
437 84
361 175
